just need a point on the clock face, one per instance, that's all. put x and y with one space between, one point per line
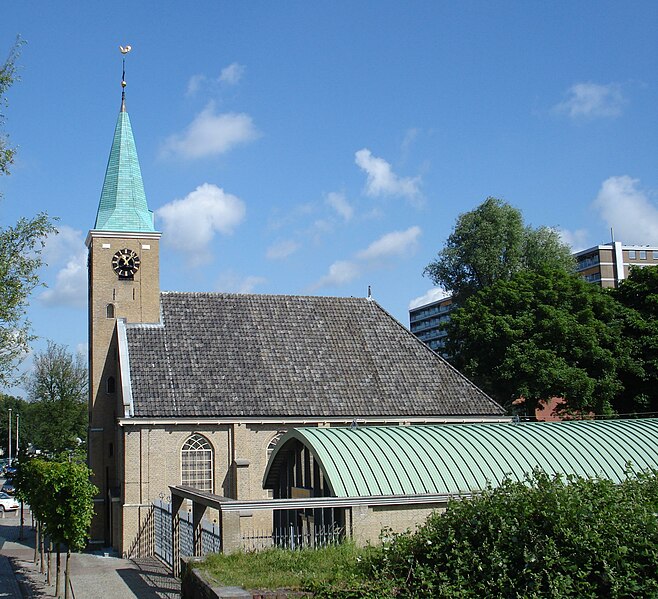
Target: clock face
125 263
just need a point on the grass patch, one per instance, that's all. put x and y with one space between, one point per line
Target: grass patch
287 569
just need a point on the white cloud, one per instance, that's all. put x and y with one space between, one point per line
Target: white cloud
340 273
232 283
194 84
592 100
231 74
338 202
190 224
577 240
628 210
410 137
379 254
70 288
382 181
66 251
210 134
433 295
392 244
282 249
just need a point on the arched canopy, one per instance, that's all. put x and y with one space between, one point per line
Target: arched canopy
462 458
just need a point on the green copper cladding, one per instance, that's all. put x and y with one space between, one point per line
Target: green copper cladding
123 202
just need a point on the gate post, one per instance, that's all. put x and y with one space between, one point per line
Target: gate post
230 531
176 503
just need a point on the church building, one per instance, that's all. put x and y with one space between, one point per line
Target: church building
196 388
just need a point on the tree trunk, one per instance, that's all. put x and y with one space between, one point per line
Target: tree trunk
58 577
20 534
67 580
49 553
36 543
41 550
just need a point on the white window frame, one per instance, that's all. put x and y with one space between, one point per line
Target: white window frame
197 461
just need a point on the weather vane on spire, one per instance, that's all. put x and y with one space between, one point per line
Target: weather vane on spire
124 51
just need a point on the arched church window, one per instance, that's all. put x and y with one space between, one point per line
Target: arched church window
111 384
109 311
197 463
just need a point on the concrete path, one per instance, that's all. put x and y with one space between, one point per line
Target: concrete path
92 576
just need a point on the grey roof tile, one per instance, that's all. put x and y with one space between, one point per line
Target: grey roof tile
228 355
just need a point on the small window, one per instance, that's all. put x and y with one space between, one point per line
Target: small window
643 255
631 254
655 254
109 311
111 384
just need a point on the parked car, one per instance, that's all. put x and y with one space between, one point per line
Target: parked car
8 471
8 487
7 503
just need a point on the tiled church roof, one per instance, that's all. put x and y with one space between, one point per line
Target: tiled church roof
223 355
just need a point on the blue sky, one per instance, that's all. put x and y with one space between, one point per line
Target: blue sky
329 146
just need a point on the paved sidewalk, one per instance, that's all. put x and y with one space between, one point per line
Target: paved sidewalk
92 576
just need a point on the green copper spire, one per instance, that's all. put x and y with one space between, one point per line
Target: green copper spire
123 202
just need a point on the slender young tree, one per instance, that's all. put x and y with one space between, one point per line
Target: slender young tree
20 252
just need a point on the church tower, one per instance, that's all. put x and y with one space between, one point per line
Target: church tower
124 282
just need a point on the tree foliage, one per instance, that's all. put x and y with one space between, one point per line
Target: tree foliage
639 295
61 497
7 78
491 243
540 335
57 387
544 537
20 253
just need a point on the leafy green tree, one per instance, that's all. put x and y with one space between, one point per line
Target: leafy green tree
61 497
543 537
639 294
540 335
20 254
57 387
491 243
7 78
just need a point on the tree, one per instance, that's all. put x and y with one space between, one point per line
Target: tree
20 254
639 294
57 387
61 497
542 537
540 335
491 243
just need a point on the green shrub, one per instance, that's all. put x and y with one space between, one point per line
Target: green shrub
547 537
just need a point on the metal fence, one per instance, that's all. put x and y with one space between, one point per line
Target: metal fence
162 525
297 529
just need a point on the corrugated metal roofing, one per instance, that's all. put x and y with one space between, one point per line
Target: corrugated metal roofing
462 458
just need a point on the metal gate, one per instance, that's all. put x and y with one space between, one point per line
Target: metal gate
162 525
162 531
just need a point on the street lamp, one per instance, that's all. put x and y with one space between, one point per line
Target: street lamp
9 457
18 419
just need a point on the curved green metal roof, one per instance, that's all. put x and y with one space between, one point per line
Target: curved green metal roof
123 206
462 458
